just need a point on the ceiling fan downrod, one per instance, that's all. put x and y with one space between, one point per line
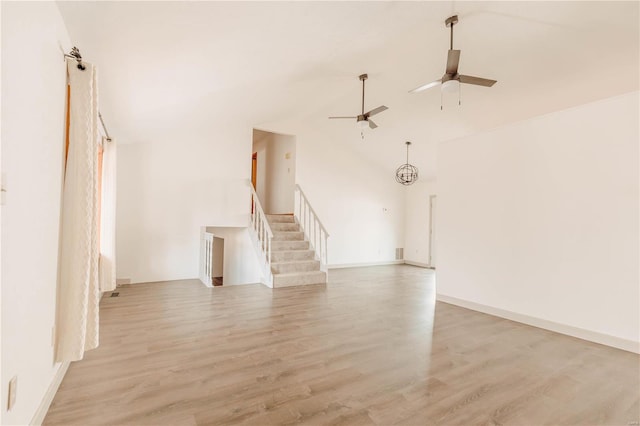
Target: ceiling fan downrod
450 22
363 77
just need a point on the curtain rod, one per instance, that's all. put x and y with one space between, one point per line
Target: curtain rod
75 54
106 132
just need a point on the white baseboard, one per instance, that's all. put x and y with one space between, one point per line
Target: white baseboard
41 412
580 333
420 264
361 265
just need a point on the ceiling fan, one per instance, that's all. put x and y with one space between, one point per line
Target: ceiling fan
451 78
363 119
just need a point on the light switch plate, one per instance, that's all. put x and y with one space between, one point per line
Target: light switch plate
3 191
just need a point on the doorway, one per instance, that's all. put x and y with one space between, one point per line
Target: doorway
254 170
273 169
432 231
217 261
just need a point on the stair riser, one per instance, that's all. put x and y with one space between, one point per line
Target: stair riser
278 218
287 256
316 278
279 227
288 236
289 245
288 268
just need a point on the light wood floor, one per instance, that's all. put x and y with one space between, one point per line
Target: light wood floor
371 347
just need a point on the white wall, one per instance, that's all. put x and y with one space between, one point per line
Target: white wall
275 181
417 221
33 116
360 204
168 190
281 170
540 218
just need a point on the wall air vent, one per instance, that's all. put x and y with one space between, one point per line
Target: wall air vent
400 253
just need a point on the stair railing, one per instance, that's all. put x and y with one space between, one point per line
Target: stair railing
310 224
261 236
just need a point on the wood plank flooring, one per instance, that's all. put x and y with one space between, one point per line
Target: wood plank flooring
372 347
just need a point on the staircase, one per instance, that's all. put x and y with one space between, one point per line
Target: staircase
292 260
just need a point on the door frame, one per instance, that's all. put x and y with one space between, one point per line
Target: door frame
432 198
254 170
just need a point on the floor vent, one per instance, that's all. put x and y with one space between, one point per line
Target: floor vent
115 294
399 253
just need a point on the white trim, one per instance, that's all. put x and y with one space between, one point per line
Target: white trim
362 265
580 333
47 399
431 229
419 264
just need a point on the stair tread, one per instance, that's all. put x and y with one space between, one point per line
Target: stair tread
276 243
296 274
295 261
284 218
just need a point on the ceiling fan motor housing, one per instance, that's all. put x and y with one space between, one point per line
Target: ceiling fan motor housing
446 77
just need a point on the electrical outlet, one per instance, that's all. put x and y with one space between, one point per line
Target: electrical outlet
13 390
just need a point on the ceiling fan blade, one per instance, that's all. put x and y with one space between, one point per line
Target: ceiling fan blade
372 125
375 111
330 118
453 58
426 86
477 81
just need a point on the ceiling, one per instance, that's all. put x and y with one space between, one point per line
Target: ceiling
177 70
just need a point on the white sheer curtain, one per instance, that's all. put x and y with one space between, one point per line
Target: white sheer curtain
78 288
108 217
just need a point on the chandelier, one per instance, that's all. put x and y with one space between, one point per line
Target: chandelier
407 174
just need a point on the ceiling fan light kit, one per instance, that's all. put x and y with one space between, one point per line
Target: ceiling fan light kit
451 86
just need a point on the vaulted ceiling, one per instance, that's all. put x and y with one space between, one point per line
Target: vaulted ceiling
172 70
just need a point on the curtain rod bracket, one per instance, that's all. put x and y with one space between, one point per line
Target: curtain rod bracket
75 54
